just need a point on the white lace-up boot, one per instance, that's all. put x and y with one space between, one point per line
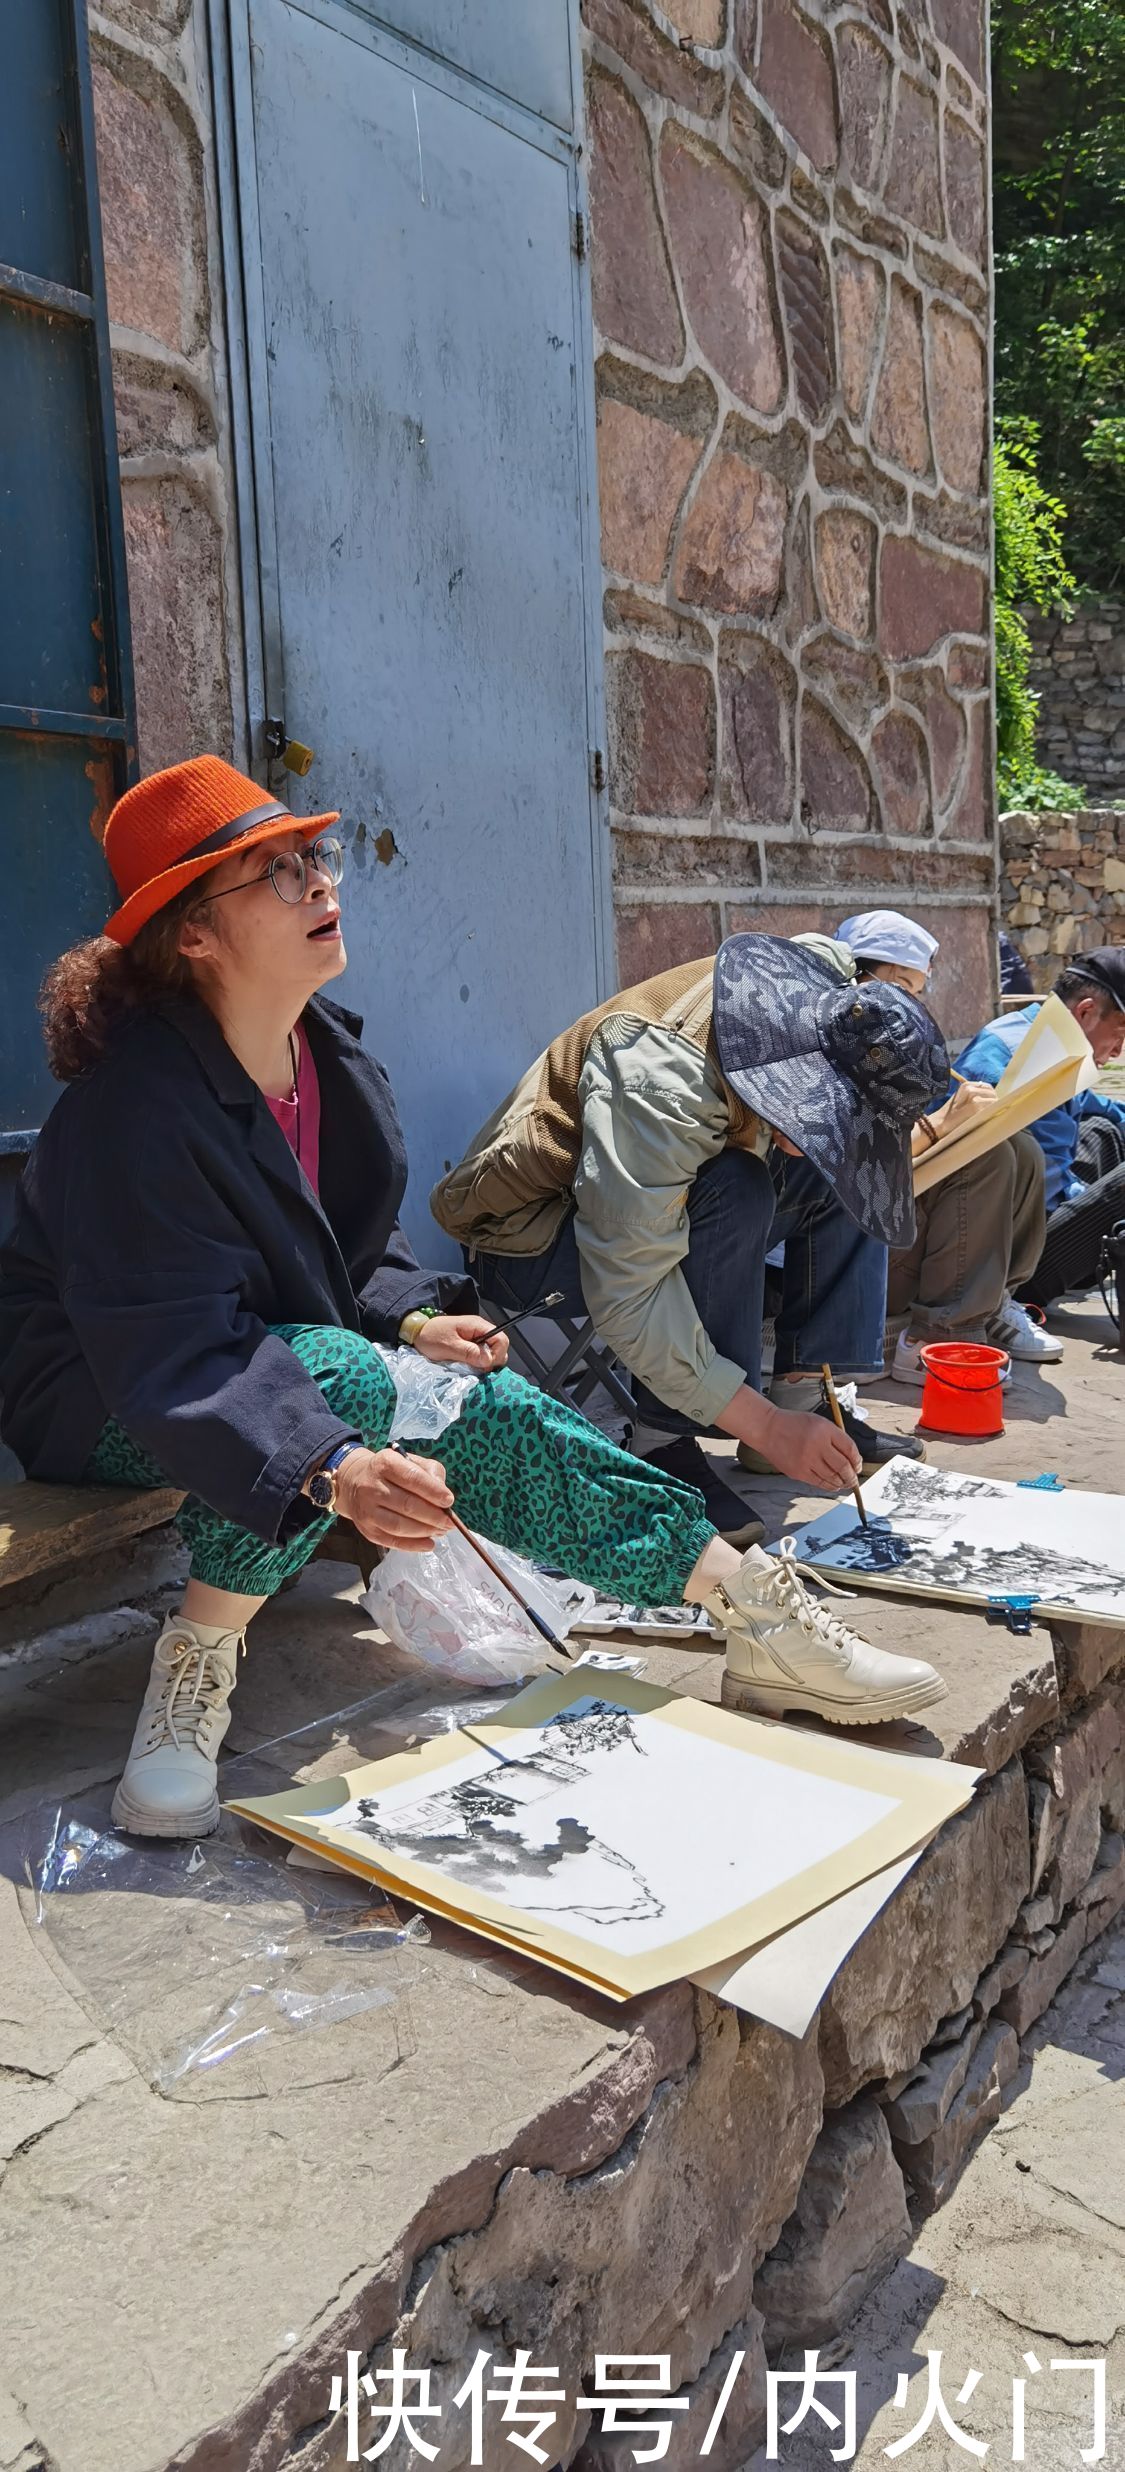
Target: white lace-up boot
786 1651
170 1784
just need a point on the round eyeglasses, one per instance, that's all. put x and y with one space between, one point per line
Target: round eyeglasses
290 870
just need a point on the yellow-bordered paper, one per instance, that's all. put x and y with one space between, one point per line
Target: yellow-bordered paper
621 1834
1053 1061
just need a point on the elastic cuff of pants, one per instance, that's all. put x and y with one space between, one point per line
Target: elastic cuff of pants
258 1574
698 1539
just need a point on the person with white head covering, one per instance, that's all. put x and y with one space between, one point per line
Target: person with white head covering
982 1229
884 944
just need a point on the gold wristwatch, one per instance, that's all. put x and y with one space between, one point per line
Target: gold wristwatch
319 1486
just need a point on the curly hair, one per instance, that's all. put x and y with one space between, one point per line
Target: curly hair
93 988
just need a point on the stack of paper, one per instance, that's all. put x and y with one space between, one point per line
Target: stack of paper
629 1837
1054 1059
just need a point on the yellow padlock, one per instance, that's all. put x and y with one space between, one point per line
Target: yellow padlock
297 758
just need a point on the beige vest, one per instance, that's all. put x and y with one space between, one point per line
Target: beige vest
511 1191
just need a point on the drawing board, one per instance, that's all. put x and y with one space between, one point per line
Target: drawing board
620 1833
936 1533
1054 1059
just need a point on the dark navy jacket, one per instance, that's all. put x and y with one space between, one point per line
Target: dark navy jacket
163 1224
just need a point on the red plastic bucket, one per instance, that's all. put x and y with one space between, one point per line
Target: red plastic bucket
962 1393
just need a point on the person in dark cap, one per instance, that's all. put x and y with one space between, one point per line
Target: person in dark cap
1015 977
1083 1142
662 1146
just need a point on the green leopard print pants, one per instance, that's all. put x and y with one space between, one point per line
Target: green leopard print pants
525 1470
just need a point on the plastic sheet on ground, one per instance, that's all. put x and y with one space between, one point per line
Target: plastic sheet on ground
208 1963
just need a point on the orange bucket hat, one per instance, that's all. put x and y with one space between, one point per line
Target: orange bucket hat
180 823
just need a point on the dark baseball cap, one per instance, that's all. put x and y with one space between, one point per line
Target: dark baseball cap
1104 969
843 1071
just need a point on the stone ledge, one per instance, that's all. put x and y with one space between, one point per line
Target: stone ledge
43 1528
510 2155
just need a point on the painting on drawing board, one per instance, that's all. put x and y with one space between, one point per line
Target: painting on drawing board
934 1532
623 1833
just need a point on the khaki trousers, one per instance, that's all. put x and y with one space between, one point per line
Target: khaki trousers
979 1233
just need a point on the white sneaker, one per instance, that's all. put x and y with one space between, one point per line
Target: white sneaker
1015 1329
170 1784
908 1366
786 1651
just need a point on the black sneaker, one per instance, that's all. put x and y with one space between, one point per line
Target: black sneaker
736 1521
874 1448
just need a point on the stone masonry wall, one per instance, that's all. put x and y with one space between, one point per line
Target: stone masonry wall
1062 885
789 274
163 278
1078 673
790 245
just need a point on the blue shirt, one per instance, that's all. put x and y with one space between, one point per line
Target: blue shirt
986 1058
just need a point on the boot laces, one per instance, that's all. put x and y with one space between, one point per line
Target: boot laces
195 1689
787 1588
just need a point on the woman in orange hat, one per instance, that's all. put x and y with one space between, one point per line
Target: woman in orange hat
206 1244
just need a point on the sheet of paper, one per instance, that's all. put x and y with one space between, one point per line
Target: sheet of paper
784 1982
936 1533
623 1833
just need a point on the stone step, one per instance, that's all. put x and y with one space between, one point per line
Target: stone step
47 1528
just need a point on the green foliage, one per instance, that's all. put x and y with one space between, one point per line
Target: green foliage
1030 566
1032 791
1059 218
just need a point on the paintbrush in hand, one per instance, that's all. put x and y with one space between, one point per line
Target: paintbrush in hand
523 1313
834 1404
543 1627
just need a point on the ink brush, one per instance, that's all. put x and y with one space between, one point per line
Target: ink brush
834 1404
523 1313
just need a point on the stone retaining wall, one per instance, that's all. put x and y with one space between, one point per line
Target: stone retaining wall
1078 673
1062 885
765 2186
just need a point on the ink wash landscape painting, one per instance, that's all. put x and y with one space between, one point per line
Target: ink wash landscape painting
572 1822
934 1532
621 1832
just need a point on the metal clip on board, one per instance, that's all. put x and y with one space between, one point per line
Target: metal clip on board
1013 1611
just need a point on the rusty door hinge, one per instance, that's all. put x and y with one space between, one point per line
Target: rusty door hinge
597 768
581 236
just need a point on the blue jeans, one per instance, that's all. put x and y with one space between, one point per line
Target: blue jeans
834 1284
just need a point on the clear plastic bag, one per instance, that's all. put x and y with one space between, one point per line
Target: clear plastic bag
445 1608
427 1397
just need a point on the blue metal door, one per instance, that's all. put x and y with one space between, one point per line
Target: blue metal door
419 375
66 727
